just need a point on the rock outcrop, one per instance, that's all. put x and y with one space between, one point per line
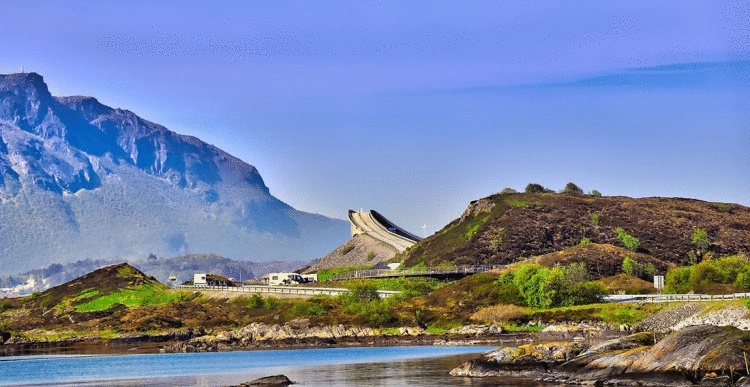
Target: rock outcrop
705 354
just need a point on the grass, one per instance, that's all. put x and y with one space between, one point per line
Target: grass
522 328
517 203
610 313
474 226
144 294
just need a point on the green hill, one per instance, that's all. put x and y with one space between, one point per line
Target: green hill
506 228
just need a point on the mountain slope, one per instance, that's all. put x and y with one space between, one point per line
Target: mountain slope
504 228
79 180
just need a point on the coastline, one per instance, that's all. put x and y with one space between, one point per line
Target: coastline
267 337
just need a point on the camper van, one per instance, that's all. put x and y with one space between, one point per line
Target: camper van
275 279
199 279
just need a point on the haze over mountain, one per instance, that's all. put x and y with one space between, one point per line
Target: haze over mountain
79 180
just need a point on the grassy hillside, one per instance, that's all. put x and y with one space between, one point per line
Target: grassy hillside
506 228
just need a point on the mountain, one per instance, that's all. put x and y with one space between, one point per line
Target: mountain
506 228
81 180
182 268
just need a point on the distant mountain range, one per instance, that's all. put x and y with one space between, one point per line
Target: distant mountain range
182 268
81 180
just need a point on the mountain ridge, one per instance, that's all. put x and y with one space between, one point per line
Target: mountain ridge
510 227
88 168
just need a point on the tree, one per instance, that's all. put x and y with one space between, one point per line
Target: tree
631 243
572 189
700 238
595 193
508 190
536 188
630 266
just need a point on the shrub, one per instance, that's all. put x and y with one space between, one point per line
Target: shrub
306 308
508 190
572 189
634 268
270 302
726 270
631 243
589 292
347 249
630 267
677 280
536 188
255 302
595 219
595 193
585 241
743 279
370 255
700 238
364 293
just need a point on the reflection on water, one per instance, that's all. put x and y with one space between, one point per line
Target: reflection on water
384 366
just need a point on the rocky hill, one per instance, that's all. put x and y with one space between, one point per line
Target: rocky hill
362 250
506 228
80 180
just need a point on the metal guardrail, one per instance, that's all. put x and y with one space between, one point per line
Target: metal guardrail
654 298
284 290
426 272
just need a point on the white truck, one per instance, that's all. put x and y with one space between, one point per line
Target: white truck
275 279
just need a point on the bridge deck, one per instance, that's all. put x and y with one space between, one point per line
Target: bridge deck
426 272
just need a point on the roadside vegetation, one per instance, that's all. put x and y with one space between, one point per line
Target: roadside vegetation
711 276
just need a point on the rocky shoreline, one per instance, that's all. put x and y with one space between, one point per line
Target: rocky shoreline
294 334
687 344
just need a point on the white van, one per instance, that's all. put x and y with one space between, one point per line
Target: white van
275 279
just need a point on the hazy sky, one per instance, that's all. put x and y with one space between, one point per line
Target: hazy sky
417 108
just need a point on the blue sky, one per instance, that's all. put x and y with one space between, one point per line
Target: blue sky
417 108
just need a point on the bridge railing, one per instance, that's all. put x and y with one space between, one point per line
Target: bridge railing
281 290
654 298
424 271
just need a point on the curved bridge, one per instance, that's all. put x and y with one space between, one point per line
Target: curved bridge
380 228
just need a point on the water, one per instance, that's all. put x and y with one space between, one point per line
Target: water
378 366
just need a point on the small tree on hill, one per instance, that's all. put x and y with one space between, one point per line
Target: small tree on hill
700 239
536 188
595 193
572 189
631 243
508 190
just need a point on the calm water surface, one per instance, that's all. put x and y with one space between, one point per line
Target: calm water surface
379 366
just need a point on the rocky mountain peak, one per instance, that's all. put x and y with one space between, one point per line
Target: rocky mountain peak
68 165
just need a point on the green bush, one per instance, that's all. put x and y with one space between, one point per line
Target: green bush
255 302
677 280
743 279
595 193
270 302
536 188
631 243
508 190
700 238
541 287
585 241
595 219
727 270
306 308
572 189
634 268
